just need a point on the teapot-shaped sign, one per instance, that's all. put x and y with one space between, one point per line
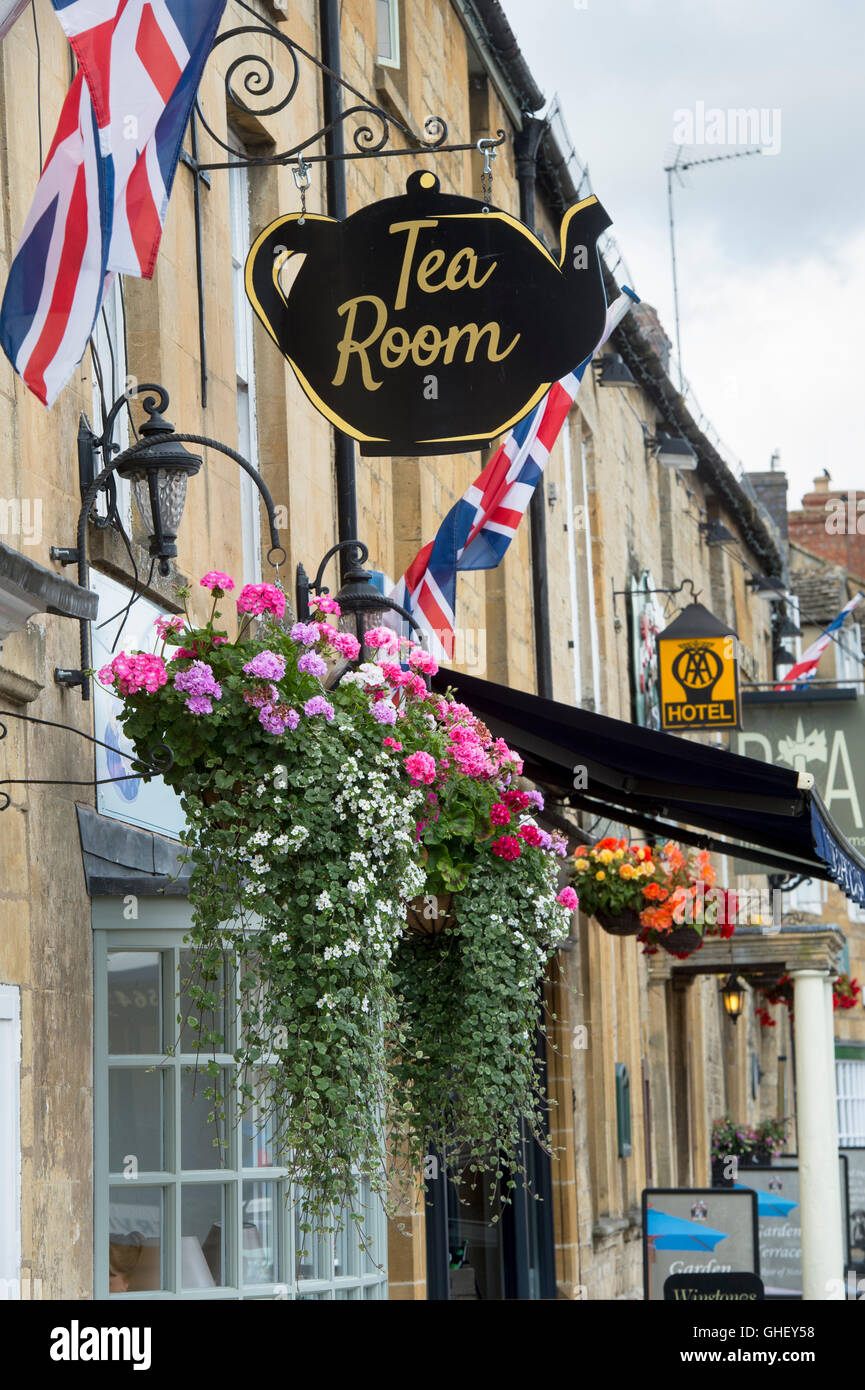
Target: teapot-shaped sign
428 324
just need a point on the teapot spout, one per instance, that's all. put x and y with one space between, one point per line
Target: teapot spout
581 226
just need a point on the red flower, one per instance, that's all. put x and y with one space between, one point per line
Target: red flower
508 847
499 814
517 799
530 834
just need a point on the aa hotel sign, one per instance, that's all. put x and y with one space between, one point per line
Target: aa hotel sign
427 323
698 673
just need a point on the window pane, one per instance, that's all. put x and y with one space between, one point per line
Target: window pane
212 1020
256 1128
135 1239
347 1256
135 1118
259 1232
200 1136
203 1238
134 1002
385 37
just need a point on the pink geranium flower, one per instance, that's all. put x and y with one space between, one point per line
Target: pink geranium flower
421 767
419 660
165 625
499 814
261 598
217 582
568 899
135 672
325 604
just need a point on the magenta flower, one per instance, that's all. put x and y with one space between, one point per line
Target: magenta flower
421 767
165 625
499 813
568 899
508 847
392 743
305 634
311 664
531 834
327 632
382 637
217 582
292 719
347 645
267 665
131 673
415 686
419 660
325 604
318 705
261 598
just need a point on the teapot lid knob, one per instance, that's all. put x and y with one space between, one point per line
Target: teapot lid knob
422 181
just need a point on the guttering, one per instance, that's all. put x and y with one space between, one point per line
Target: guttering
504 63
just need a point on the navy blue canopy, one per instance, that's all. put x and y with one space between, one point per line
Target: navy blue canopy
660 783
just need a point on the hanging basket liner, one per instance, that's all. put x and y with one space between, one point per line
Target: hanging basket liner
420 921
626 922
681 941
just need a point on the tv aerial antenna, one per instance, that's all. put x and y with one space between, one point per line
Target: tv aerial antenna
679 167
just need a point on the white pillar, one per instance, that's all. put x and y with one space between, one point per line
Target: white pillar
819 1181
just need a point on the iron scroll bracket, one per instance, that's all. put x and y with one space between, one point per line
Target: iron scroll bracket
161 760
251 86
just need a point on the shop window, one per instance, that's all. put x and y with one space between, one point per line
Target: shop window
850 1086
10 1147
177 1214
623 1110
387 32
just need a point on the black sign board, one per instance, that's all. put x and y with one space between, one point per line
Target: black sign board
427 323
696 1288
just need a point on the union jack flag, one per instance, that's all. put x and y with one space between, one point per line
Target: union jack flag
101 201
479 528
806 667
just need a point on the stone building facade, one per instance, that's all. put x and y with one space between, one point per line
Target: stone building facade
618 524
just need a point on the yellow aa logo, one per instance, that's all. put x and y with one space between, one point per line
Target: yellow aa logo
699 684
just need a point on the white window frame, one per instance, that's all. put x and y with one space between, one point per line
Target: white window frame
393 26
163 926
810 896
10 1141
244 357
850 1088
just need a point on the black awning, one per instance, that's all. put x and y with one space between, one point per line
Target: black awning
660 782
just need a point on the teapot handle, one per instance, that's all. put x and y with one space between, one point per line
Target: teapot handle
285 237
581 226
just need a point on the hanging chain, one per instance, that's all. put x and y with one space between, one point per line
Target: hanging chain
301 178
487 149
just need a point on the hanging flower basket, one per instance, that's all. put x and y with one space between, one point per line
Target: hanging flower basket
625 922
312 821
431 914
681 941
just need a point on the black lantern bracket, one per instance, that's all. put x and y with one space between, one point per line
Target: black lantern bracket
357 584
161 759
250 85
158 451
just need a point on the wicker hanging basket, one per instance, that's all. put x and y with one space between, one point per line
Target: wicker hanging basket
425 919
625 922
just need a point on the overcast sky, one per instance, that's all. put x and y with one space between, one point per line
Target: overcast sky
770 249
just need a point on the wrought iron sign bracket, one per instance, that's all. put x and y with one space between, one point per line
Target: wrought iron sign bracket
256 76
161 759
695 592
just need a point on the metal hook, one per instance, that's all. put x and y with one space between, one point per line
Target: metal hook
301 178
487 149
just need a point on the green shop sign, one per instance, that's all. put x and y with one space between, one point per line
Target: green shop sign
823 737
